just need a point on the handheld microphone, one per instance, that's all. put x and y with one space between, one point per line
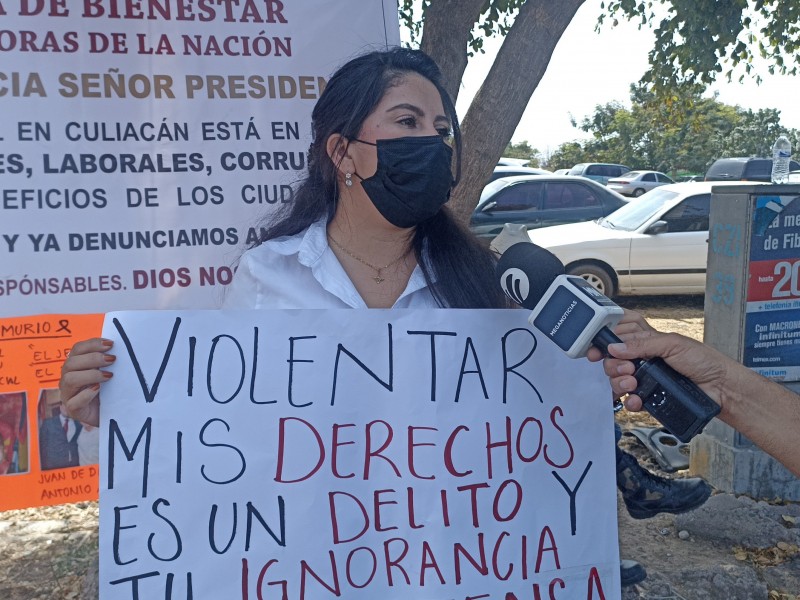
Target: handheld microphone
574 315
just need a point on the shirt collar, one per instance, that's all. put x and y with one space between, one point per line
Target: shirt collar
313 251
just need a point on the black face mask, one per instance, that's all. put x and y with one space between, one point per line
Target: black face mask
413 179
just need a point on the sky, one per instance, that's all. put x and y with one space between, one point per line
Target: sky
589 68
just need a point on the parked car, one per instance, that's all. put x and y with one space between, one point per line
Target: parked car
601 172
744 169
561 172
541 201
657 244
636 183
507 171
687 178
512 162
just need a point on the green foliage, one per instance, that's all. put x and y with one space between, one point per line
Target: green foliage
497 17
670 127
412 15
680 131
697 40
523 150
754 134
567 155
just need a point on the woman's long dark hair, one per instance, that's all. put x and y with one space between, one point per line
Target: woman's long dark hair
458 269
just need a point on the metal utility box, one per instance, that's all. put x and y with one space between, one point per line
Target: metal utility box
752 314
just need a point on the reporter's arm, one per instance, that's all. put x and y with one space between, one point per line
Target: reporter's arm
766 412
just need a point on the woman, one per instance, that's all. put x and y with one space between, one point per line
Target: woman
368 214
367 228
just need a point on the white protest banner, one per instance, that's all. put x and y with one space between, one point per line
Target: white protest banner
353 454
143 142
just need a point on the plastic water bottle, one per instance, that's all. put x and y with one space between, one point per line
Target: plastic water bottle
781 154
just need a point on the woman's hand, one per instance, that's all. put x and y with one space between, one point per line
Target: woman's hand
81 376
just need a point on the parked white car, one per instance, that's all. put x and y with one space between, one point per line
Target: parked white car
636 183
657 244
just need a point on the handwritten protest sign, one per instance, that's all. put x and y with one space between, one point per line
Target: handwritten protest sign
353 454
40 462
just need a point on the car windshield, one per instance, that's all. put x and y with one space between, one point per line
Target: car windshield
491 188
577 169
633 214
630 174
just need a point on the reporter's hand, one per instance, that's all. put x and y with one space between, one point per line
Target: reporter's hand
702 364
630 323
81 376
620 371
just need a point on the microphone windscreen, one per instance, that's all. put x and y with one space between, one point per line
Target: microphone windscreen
525 271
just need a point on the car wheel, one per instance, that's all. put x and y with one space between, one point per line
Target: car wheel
638 192
595 275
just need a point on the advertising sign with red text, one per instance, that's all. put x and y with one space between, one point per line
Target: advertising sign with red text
772 322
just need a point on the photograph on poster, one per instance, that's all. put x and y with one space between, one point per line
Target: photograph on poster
32 350
64 442
13 434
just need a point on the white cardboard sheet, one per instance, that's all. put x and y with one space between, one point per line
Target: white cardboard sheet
318 454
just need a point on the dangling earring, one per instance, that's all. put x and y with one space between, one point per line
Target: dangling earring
348 181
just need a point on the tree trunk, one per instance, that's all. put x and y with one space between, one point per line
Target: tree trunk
444 38
498 106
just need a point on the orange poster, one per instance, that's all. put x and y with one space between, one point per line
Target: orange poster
45 457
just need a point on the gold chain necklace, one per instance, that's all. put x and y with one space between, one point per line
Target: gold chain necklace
378 270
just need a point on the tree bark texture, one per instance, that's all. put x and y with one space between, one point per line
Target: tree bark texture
499 104
448 24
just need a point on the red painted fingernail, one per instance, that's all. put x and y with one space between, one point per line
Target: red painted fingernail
107 343
107 375
109 358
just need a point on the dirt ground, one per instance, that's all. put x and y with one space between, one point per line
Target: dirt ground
46 553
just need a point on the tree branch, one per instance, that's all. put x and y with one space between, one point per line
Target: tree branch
448 24
498 106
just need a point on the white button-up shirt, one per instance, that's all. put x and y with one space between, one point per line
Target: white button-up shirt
301 271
